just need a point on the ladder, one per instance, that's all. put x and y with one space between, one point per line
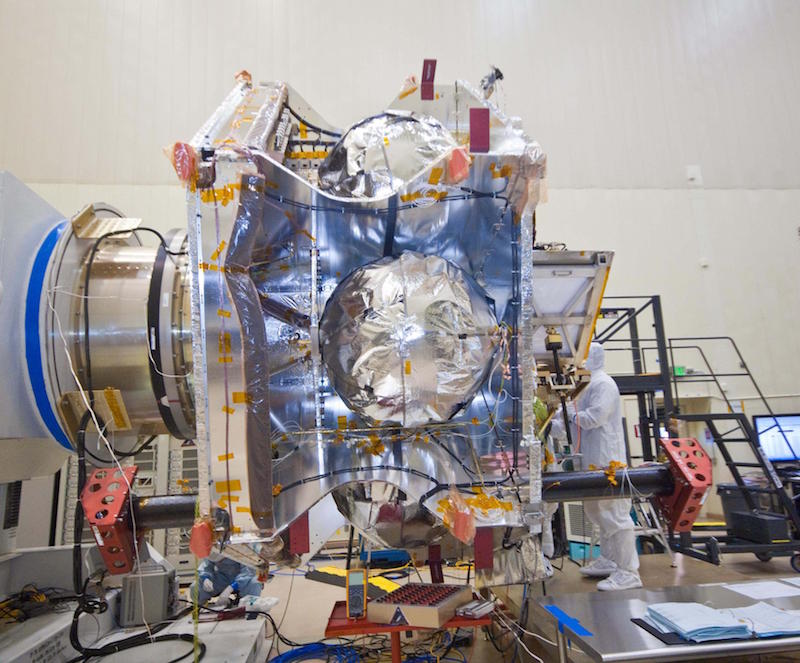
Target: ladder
733 431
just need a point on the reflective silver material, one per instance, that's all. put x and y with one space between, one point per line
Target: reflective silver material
118 333
569 288
509 145
408 340
174 337
526 358
138 328
304 339
514 564
378 511
263 124
379 155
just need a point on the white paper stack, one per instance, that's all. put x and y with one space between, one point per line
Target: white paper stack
767 621
698 622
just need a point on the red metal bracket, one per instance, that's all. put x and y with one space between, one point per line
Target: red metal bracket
691 469
106 503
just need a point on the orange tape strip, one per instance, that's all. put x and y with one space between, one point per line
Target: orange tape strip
228 486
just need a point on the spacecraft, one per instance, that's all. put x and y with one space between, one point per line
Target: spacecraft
356 317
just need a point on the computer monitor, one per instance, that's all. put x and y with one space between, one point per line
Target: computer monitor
779 436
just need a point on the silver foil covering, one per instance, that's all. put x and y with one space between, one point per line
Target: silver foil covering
376 509
408 340
284 417
379 155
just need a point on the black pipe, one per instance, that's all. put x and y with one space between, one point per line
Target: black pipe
162 511
594 484
54 508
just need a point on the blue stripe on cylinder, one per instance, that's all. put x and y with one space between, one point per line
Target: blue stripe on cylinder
33 349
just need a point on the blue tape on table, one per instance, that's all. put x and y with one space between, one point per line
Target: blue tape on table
564 619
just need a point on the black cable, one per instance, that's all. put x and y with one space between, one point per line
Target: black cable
86 326
502 445
77 570
89 604
313 127
469 194
492 639
133 641
288 642
123 454
138 450
452 454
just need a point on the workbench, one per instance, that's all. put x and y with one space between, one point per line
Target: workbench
340 626
598 626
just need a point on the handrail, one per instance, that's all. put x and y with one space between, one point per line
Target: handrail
710 373
622 320
742 363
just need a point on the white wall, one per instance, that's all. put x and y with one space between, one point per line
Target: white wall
622 94
748 238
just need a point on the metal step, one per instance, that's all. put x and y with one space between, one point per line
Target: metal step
711 416
756 489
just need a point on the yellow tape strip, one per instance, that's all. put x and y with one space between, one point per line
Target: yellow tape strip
241 397
224 457
505 171
597 312
223 196
218 250
377 581
403 95
115 407
316 154
228 486
228 410
222 313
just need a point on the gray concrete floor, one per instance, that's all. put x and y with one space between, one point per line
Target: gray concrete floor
305 604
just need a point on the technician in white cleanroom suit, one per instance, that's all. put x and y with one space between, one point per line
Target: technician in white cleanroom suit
598 422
